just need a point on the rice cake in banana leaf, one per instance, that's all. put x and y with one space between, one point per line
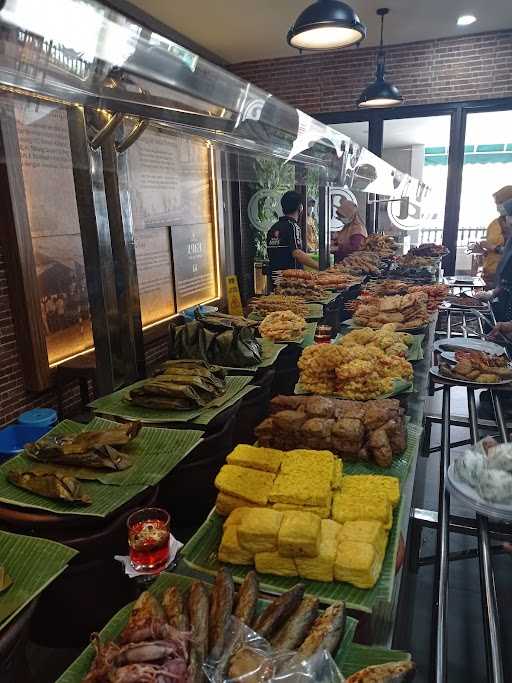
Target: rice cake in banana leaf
87 449
54 485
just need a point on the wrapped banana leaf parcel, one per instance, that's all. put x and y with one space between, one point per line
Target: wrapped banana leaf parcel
50 485
227 340
87 449
181 385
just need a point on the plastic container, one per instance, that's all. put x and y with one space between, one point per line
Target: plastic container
14 437
38 417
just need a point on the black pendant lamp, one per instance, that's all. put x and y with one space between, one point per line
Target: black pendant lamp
380 93
326 25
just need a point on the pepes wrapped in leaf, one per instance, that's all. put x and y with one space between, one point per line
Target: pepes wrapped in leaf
86 449
56 486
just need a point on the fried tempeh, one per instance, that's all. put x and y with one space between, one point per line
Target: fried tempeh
197 603
275 614
247 599
296 628
326 632
221 607
174 608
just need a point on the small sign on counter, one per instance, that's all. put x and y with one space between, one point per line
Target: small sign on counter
193 254
233 296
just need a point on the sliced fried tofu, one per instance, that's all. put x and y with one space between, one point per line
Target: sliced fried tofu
242 482
274 563
321 567
259 530
299 535
230 550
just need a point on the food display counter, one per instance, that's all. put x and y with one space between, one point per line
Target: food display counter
276 435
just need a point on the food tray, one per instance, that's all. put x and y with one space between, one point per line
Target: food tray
115 405
464 343
435 372
77 671
399 386
360 656
200 554
32 563
472 499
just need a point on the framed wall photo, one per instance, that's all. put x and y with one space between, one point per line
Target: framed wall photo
195 264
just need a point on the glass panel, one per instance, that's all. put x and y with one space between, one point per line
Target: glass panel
487 168
418 147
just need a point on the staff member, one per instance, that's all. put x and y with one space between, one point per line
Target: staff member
284 239
497 234
351 237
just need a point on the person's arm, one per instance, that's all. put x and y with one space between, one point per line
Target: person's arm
501 329
304 259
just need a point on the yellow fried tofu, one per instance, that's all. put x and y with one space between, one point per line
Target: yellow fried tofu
307 460
337 474
225 504
266 459
230 550
242 482
322 512
366 531
274 563
370 484
259 529
299 534
357 563
235 517
321 568
350 508
299 489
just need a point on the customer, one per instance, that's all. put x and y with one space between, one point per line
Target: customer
497 235
284 239
311 228
351 237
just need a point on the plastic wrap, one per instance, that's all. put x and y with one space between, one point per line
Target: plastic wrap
249 658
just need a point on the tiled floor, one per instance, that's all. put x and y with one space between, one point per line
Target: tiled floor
466 654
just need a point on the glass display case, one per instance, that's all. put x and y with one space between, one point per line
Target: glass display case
137 176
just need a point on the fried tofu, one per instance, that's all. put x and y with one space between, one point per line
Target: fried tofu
225 504
259 529
322 512
242 482
366 531
357 563
299 489
367 485
299 534
321 568
337 474
274 563
349 508
230 550
266 459
235 517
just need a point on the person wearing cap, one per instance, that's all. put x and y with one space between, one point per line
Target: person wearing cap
497 234
351 237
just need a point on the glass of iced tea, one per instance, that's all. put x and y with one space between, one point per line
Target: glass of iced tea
148 538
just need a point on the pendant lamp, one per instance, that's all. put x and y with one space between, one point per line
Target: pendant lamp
380 93
326 25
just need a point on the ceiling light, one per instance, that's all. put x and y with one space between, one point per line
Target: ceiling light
380 93
326 25
466 20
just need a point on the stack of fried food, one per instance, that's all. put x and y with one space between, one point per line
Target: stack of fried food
387 288
286 537
430 250
408 311
334 279
169 638
353 372
477 366
373 431
436 294
360 263
301 283
387 339
411 261
283 326
383 245
263 305
181 385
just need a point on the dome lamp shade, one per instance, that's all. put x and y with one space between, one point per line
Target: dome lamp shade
326 25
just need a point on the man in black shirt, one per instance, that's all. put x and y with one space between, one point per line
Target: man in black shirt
284 239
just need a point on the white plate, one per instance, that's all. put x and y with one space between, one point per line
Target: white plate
473 500
467 343
434 370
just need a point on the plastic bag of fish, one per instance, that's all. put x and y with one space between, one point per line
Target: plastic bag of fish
249 658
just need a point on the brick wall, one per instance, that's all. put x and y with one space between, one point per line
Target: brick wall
450 69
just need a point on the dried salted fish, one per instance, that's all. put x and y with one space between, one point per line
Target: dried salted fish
86 449
5 579
54 486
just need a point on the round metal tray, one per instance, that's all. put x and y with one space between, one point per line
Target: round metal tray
434 370
472 499
466 343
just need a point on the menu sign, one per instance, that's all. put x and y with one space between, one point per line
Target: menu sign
193 252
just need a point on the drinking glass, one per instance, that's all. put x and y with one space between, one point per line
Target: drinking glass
148 538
